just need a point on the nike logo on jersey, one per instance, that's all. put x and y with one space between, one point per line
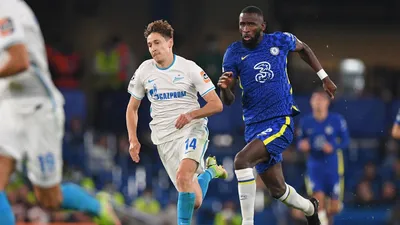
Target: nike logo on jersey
176 79
151 81
244 57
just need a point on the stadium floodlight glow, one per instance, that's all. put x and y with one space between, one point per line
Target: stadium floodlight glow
352 66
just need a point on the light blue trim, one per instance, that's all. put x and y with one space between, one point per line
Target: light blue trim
213 88
39 75
135 96
204 149
173 61
11 43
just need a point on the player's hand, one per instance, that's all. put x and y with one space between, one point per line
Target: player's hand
304 145
225 80
134 149
329 87
327 148
182 120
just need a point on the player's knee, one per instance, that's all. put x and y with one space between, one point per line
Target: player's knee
240 161
49 198
277 191
198 203
334 209
183 180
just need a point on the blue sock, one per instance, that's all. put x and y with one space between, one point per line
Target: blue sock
185 208
204 179
6 213
76 198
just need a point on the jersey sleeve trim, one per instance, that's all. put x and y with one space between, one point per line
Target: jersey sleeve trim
138 98
11 43
206 92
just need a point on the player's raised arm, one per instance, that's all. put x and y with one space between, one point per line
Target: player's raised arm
14 57
227 81
307 54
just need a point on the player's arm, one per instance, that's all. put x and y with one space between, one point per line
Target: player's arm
396 127
14 57
227 81
206 89
344 135
14 60
307 54
213 106
137 91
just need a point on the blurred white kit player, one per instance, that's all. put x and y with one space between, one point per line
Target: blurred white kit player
31 107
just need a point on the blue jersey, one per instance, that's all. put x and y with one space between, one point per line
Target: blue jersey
263 77
332 130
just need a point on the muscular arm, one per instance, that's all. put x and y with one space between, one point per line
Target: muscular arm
132 118
307 55
213 106
227 94
14 60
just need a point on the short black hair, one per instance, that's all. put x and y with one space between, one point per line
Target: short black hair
253 9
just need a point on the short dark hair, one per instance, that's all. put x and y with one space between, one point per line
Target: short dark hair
253 9
159 26
321 90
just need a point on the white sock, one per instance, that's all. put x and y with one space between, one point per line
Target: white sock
247 193
323 217
292 199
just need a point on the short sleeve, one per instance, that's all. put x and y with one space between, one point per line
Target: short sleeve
200 79
288 41
11 29
135 87
229 62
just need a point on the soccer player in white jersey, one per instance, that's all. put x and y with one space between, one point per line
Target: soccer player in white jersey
179 125
32 118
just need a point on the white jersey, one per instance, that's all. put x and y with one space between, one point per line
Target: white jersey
172 91
18 24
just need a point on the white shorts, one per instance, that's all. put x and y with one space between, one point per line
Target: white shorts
38 136
191 146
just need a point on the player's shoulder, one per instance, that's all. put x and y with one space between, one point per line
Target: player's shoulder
337 117
234 47
147 64
281 37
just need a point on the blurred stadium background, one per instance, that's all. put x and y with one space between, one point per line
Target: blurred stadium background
94 46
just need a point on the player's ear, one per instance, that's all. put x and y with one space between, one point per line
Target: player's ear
264 26
170 42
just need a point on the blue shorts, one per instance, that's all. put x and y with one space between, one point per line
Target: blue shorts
328 182
276 134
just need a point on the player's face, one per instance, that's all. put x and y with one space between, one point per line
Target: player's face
251 27
159 46
319 102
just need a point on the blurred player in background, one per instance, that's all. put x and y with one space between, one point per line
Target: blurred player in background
323 135
32 118
396 127
179 125
258 62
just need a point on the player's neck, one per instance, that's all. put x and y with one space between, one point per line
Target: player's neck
320 116
167 62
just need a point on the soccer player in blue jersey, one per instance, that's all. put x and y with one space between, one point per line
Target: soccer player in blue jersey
323 135
396 127
258 62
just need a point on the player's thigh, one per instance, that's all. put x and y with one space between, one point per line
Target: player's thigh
277 135
45 132
170 158
335 186
11 137
194 145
